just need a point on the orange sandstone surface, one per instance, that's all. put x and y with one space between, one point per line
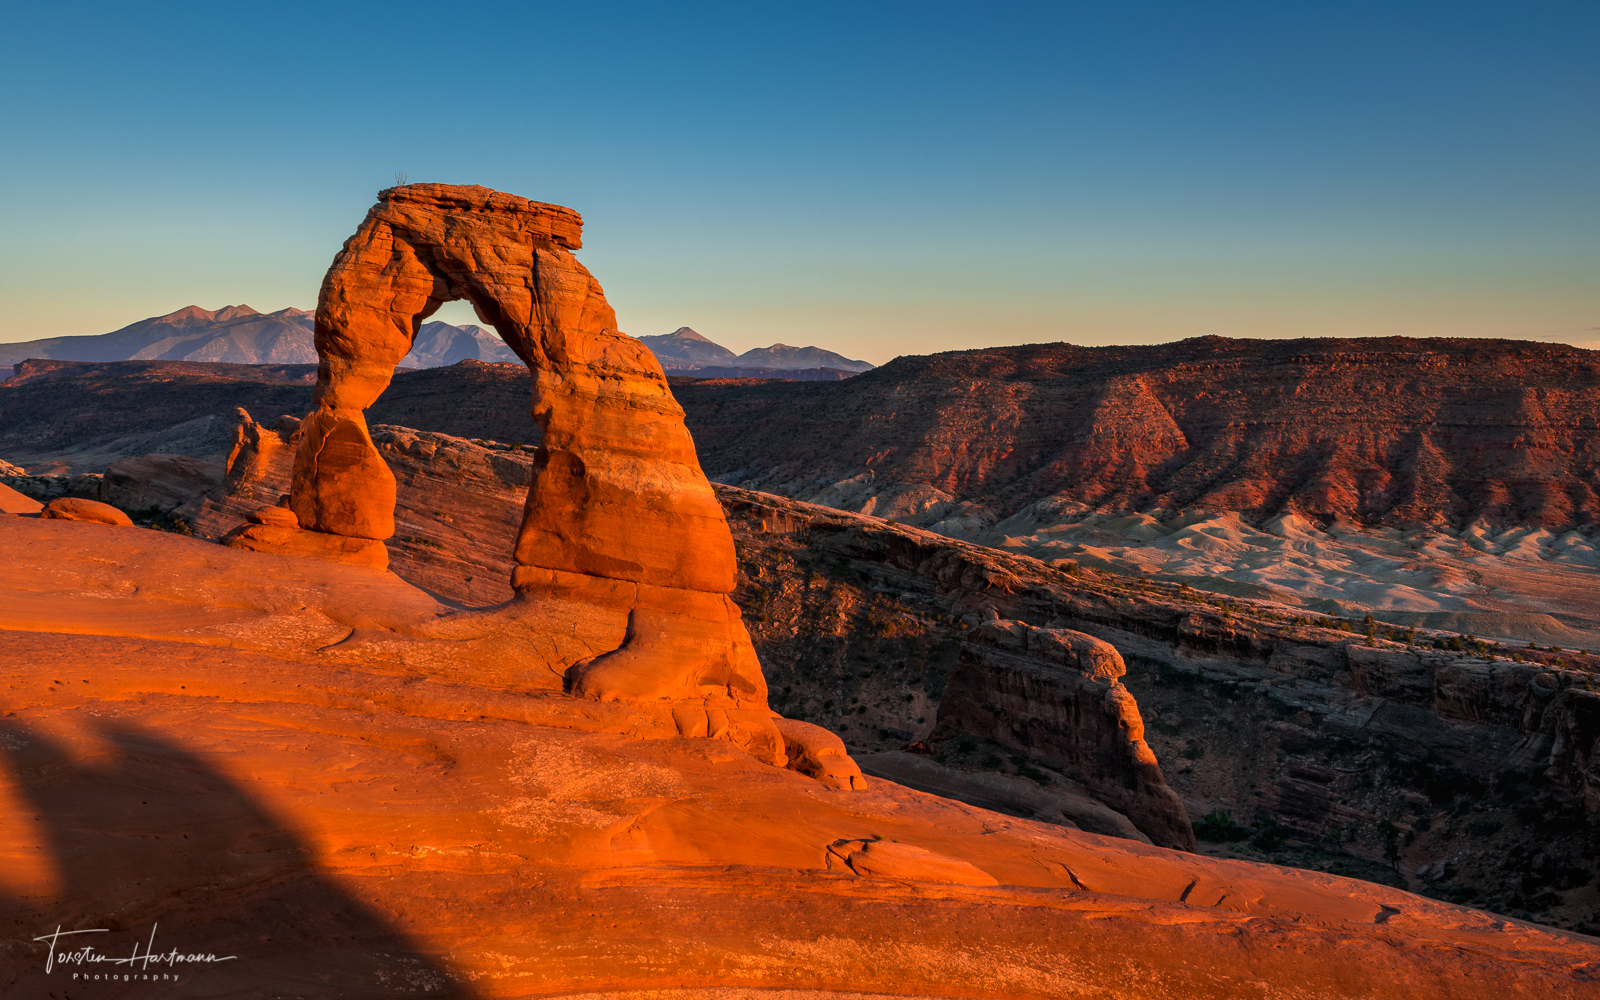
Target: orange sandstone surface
319 769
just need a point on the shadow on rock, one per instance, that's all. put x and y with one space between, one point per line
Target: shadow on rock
145 836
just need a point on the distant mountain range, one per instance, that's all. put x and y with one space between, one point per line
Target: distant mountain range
685 351
241 335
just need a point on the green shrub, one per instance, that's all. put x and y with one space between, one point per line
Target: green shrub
1269 835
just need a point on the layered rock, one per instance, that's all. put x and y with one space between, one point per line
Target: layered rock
1056 695
1393 429
157 482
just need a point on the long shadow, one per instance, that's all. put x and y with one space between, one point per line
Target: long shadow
147 837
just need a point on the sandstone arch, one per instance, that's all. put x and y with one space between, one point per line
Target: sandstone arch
620 520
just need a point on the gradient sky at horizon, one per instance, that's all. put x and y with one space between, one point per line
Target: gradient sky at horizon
876 179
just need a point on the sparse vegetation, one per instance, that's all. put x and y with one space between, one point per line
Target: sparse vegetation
1219 827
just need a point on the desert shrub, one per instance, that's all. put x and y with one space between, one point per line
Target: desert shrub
1391 842
1269 835
1218 827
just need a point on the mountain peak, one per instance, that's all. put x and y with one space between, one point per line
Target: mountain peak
685 333
188 314
195 314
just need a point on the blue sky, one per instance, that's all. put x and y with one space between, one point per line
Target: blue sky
877 179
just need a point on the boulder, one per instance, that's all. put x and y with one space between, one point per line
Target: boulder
281 517
79 509
816 752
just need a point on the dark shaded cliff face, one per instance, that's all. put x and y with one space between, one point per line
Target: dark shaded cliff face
1392 429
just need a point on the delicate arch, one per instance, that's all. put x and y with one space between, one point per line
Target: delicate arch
620 519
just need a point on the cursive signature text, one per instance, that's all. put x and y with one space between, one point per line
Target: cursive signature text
89 955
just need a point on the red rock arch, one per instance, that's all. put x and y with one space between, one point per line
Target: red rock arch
620 518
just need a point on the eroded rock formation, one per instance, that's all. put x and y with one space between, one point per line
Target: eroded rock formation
1057 695
620 528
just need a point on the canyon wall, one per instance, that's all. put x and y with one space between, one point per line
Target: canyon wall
1393 429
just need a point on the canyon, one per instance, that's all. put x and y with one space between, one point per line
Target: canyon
469 702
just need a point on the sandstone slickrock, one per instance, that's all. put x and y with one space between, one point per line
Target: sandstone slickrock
478 486
78 509
12 502
177 709
458 509
458 505
891 860
291 540
619 518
